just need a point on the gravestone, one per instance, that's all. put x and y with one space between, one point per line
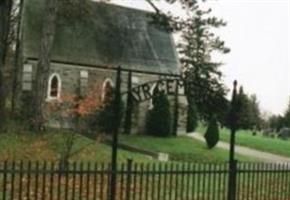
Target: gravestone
284 133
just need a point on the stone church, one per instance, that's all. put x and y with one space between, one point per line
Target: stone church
89 53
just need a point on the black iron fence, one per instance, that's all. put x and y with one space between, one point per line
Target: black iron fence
166 181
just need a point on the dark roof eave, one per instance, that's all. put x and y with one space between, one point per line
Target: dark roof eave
107 67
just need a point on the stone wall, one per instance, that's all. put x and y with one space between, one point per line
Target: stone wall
79 80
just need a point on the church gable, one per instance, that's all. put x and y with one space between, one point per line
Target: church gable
114 36
86 54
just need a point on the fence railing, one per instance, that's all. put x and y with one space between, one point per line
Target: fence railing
161 181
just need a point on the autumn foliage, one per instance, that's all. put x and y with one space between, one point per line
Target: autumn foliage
73 107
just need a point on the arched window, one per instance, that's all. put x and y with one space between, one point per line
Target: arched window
107 90
54 87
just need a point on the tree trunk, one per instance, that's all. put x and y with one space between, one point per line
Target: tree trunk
16 73
43 65
5 6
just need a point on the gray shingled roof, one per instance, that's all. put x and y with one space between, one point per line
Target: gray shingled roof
115 36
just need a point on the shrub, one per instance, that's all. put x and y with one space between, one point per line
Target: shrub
26 110
192 118
158 120
212 133
68 111
104 120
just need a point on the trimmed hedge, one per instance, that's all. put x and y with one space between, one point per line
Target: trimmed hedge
158 121
212 133
192 117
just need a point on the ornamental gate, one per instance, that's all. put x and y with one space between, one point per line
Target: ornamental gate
172 84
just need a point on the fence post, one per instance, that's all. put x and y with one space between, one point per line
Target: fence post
129 174
115 133
5 172
232 180
128 119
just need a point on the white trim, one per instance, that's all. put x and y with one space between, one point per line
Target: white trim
104 85
84 74
27 68
58 87
27 77
135 80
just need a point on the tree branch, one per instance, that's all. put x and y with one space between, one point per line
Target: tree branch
153 6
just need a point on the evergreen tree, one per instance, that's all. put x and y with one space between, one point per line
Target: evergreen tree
249 113
256 114
158 122
197 44
104 120
203 75
243 114
212 133
276 122
192 118
287 116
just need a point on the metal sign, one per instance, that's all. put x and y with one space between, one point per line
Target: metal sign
145 92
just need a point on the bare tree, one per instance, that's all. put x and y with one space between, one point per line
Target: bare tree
5 7
43 65
73 10
15 38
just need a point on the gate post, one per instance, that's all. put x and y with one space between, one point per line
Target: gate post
233 117
128 182
115 133
232 185
129 108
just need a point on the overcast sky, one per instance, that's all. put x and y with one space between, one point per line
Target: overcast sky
258 33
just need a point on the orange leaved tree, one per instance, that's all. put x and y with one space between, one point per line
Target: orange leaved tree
70 113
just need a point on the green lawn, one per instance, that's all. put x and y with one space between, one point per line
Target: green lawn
180 148
20 144
47 146
28 146
259 142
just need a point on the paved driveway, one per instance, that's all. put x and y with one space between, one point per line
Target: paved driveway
260 155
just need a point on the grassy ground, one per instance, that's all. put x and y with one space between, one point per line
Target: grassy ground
20 144
48 146
259 142
180 149
23 145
